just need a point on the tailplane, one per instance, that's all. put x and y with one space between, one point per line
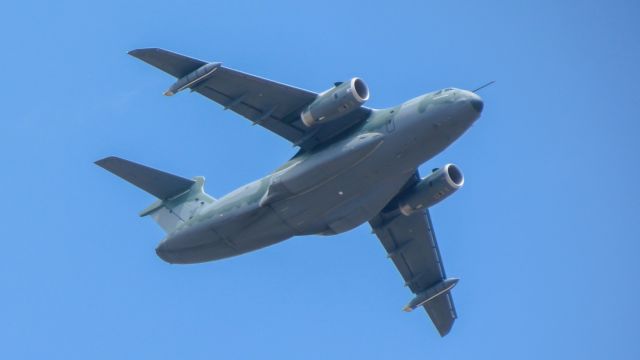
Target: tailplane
179 199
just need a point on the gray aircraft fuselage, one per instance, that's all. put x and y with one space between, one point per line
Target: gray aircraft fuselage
331 189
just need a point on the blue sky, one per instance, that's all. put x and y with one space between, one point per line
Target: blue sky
544 235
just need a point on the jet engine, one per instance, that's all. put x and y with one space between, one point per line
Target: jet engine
334 103
432 189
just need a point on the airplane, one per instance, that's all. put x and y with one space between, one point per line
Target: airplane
354 165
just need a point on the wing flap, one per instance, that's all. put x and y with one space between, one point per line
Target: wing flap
413 250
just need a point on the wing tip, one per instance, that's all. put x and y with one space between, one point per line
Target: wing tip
444 331
133 52
104 162
140 53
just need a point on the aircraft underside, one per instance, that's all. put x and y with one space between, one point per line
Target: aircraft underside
355 165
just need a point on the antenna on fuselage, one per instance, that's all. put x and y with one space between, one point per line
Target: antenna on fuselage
483 86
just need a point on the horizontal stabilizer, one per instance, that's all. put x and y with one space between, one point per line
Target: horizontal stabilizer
157 183
167 61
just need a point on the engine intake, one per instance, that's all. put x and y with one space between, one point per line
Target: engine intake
431 189
335 103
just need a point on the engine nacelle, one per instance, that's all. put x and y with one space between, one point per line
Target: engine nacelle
431 189
335 103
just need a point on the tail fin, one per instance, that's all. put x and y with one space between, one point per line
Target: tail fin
179 199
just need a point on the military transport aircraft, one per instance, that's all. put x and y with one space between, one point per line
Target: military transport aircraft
354 165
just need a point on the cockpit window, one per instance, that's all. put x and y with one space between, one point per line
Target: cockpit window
442 92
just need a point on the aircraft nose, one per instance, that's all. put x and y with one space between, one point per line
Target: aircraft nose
476 103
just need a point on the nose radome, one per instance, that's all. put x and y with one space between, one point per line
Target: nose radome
476 103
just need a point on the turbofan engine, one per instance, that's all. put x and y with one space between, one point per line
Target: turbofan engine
336 102
432 189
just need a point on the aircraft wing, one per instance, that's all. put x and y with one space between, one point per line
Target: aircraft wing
411 244
267 103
